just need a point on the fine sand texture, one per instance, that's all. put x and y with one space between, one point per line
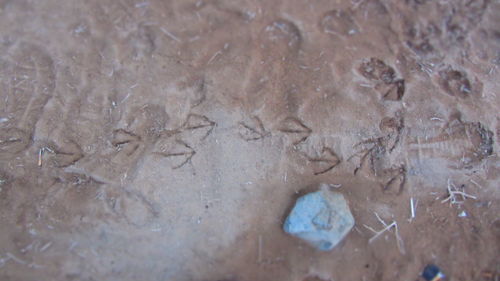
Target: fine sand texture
169 139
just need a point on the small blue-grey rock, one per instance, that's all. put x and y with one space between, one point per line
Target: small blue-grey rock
321 218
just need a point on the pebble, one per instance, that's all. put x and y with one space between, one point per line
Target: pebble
320 218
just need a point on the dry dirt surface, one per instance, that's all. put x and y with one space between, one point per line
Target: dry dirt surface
167 140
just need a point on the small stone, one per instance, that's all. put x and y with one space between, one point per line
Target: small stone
432 273
320 218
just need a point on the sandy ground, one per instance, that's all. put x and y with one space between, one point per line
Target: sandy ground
167 140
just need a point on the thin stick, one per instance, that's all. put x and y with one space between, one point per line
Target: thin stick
378 233
40 157
214 56
453 192
14 258
48 149
399 240
169 34
436 119
463 194
477 184
380 220
46 246
27 248
373 230
412 208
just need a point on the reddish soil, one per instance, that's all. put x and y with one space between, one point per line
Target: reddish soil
167 140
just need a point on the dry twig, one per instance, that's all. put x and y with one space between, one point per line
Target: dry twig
454 192
387 227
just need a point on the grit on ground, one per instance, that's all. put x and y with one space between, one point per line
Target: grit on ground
168 140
